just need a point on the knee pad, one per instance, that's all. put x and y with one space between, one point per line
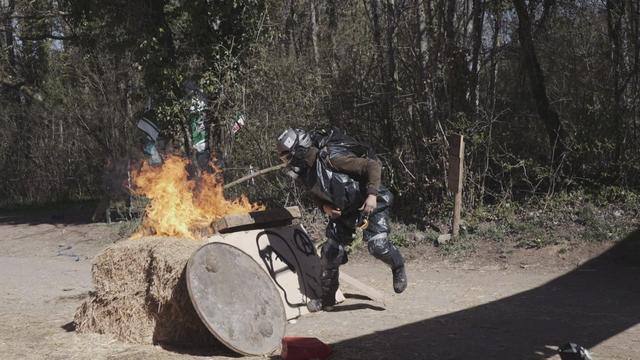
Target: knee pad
381 248
379 245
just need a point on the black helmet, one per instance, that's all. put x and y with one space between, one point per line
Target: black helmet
290 141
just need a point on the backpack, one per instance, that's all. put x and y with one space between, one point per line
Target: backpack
336 141
339 189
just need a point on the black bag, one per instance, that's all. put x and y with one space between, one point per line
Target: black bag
338 189
336 142
341 190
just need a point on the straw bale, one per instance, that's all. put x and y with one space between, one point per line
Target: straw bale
141 294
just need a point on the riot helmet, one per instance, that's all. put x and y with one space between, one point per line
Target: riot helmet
293 142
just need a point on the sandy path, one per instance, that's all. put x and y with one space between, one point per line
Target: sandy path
448 312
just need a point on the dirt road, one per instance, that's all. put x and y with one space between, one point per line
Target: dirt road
471 310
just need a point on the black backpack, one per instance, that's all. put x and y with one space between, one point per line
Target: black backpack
336 141
324 182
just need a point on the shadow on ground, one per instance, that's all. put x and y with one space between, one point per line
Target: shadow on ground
588 305
75 213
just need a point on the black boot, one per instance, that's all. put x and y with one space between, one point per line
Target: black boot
332 256
315 305
329 282
380 247
399 279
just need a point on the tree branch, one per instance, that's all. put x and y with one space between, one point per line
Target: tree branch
47 36
44 15
11 85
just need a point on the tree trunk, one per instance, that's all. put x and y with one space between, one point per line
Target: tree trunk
419 84
167 36
449 48
392 76
629 97
332 29
491 96
478 22
615 15
288 20
547 9
635 87
385 104
9 26
422 49
555 131
493 72
314 37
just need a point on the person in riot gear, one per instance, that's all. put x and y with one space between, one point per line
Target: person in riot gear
344 179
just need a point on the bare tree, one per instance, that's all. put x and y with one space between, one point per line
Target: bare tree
478 22
555 130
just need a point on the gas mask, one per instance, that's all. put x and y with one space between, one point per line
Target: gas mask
296 164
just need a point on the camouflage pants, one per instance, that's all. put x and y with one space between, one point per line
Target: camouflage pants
340 233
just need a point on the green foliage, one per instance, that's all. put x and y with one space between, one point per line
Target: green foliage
630 200
597 227
404 235
532 235
402 83
566 217
458 249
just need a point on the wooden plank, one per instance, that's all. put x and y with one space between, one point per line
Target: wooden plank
456 160
457 206
365 289
257 219
455 177
456 145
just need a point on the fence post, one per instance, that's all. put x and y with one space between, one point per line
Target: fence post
455 177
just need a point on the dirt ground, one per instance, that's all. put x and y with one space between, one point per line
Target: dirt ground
495 305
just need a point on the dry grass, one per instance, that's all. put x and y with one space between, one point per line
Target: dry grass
141 294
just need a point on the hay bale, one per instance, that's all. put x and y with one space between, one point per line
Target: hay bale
141 294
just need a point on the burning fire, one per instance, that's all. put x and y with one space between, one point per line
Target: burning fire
179 205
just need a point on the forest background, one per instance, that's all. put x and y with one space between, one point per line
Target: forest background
544 91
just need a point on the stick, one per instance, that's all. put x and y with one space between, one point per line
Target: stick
257 173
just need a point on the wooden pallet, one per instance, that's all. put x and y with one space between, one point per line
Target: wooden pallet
257 220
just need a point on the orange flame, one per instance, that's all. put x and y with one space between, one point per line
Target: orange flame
177 204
